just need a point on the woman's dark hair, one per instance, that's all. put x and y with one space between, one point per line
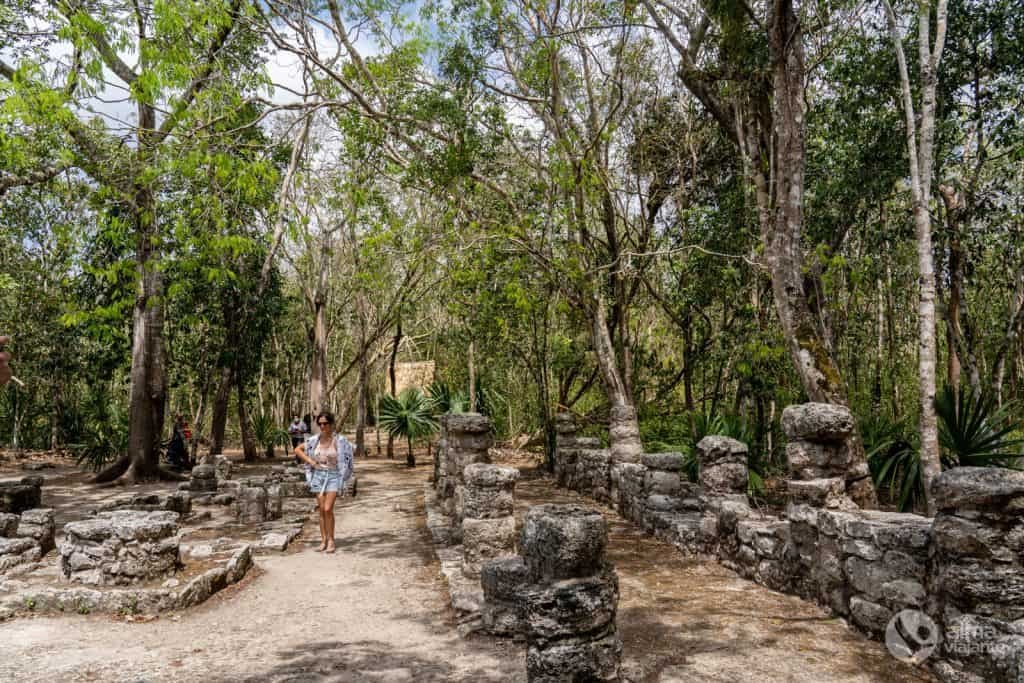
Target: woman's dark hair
327 416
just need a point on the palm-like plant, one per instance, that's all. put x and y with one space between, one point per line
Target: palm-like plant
894 459
442 399
268 434
407 417
101 430
974 431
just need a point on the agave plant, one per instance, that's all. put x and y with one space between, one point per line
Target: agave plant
268 434
974 431
407 417
101 431
442 399
894 459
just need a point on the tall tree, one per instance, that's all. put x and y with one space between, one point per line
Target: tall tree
920 137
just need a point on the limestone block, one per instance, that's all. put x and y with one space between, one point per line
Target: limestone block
817 422
563 541
39 525
571 608
830 493
251 505
120 547
825 455
204 479
662 482
503 581
980 488
8 524
179 502
486 539
723 464
868 615
15 498
663 462
596 660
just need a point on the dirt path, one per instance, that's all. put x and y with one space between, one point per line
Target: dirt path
375 611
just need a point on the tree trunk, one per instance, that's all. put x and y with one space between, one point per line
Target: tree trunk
360 450
245 426
809 349
623 426
391 378
148 378
219 421
410 459
472 378
318 367
920 156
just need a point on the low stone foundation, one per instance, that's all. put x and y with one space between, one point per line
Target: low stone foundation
127 601
120 547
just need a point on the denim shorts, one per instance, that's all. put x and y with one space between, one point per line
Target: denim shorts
324 481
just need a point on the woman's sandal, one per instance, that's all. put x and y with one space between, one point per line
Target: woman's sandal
330 550
322 548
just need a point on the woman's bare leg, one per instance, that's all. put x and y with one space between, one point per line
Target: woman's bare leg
328 508
320 515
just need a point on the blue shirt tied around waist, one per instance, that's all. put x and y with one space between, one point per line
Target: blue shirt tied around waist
345 453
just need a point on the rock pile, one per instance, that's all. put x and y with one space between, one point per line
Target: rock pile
819 453
723 465
468 436
25 538
120 547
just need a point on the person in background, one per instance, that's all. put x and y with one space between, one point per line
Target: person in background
5 369
297 430
177 453
329 457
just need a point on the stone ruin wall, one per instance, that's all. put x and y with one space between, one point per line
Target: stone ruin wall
964 568
414 374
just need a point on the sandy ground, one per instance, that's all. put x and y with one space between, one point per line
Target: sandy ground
376 611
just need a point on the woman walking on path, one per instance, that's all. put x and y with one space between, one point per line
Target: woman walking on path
329 457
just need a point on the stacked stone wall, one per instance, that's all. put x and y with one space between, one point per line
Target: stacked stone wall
964 569
120 547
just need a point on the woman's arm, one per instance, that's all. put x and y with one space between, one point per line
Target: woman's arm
300 453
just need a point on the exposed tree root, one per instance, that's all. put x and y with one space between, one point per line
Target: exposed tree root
113 472
124 473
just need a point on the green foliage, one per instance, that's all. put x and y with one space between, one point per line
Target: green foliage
974 431
268 433
443 400
99 430
894 460
407 417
